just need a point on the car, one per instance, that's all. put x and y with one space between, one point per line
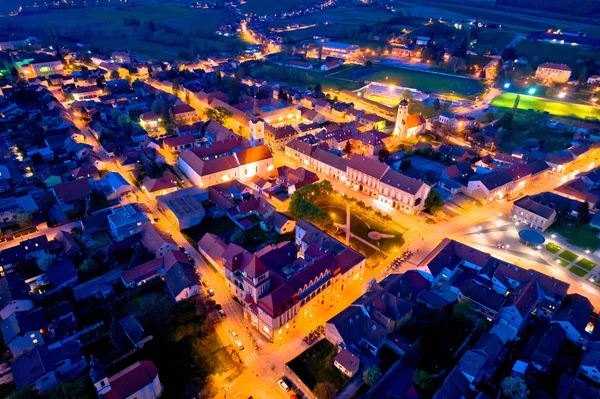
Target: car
256 347
205 284
233 333
156 219
181 248
239 344
221 312
283 385
211 292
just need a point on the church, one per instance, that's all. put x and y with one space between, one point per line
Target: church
408 126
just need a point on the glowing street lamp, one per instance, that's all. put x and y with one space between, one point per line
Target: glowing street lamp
531 91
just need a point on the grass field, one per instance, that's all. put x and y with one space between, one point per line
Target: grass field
105 28
583 236
586 264
507 100
578 271
561 262
568 256
267 7
492 40
552 247
421 80
539 52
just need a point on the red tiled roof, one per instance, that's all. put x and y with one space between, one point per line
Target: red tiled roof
132 379
550 65
73 190
182 109
368 166
179 140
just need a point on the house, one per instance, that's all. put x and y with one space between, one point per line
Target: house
149 120
372 122
184 207
140 380
11 207
242 165
573 316
590 363
329 164
279 222
22 331
114 186
499 184
548 347
554 73
70 192
183 114
179 143
533 214
455 386
87 93
160 186
86 172
339 50
328 66
594 80
145 272
155 241
182 281
27 249
346 362
44 367
14 295
212 248
126 221
369 143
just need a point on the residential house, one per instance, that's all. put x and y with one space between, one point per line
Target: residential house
369 143
145 272
501 183
212 248
179 143
533 214
183 114
87 93
155 241
67 194
126 221
329 164
149 120
574 316
140 380
372 122
346 362
182 281
160 186
22 331
278 222
590 363
14 295
86 172
114 186
548 347
11 207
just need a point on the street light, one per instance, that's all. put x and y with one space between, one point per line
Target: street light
531 91
506 85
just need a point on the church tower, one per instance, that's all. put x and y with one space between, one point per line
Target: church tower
257 128
400 129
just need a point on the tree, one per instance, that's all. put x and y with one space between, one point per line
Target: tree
318 88
188 100
463 310
405 164
24 219
123 120
583 213
219 114
383 154
348 148
114 75
583 75
516 104
371 375
324 390
433 202
25 393
44 261
88 266
514 388
407 95
422 379
437 104
70 390
239 237
175 88
509 53
456 64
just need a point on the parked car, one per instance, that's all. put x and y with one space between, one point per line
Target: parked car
205 284
222 312
211 292
239 344
283 385
233 333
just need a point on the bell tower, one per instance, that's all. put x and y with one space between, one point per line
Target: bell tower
257 127
400 129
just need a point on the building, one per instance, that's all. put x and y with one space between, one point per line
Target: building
182 281
532 213
340 50
372 122
42 65
23 331
390 187
14 295
594 80
329 164
346 362
183 207
87 93
73 191
183 114
499 184
256 127
179 143
241 165
574 316
126 221
555 73
11 207
140 380
152 269
149 120
277 284
590 363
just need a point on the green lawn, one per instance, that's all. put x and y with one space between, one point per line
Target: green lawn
568 255
578 271
492 40
421 80
554 52
586 264
583 236
315 365
215 226
507 100
552 247
561 262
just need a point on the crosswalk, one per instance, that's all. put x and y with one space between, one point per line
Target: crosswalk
238 391
250 358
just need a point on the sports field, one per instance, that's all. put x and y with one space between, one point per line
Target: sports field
420 80
507 100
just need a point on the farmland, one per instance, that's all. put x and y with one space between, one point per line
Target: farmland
507 100
539 52
176 29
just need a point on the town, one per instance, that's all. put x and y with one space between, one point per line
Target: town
406 210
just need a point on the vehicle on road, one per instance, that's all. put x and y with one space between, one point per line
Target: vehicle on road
283 385
239 344
205 284
222 313
211 292
181 248
233 333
